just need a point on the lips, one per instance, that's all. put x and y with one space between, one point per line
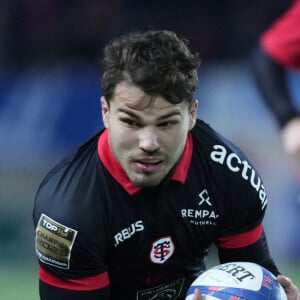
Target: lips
148 165
152 161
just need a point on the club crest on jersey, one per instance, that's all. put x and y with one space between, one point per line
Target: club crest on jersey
162 249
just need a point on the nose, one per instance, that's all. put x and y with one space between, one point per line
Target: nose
148 140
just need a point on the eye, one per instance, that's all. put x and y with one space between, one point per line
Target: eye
130 122
167 124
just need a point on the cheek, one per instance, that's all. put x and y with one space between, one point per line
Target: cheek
192 123
121 138
175 140
182 132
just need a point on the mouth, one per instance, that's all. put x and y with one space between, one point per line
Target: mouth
148 165
150 161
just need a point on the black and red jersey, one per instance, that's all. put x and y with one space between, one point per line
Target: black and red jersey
282 40
96 230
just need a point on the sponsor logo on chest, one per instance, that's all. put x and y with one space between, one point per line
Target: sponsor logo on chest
127 232
204 214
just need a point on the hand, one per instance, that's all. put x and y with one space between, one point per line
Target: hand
291 138
197 295
290 288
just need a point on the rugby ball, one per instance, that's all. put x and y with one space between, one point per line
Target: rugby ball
237 281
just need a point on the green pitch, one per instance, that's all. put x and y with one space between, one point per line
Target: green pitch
20 281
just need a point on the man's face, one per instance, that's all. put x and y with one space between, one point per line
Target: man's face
147 135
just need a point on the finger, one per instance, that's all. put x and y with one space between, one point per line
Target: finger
284 281
289 287
197 295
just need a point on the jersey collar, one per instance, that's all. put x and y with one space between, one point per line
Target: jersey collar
114 168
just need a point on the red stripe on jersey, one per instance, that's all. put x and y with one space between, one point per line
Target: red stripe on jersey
83 284
183 166
241 240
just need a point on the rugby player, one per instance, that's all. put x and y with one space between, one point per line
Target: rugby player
133 212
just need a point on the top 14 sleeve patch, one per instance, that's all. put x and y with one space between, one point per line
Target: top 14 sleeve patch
54 242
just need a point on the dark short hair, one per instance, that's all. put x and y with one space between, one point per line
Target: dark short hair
158 62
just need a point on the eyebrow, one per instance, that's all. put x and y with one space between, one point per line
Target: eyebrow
163 117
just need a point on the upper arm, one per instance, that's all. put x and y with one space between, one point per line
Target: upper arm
71 262
70 232
242 198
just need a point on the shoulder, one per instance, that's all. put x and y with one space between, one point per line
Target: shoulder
68 191
70 215
210 142
234 174
240 193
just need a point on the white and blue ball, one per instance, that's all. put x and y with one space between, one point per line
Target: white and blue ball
237 281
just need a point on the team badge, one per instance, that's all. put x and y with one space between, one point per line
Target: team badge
162 250
54 242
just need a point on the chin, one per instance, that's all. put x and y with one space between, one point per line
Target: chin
146 182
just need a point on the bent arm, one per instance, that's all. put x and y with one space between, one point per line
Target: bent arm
257 252
271 82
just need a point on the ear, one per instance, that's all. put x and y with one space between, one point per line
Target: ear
105 111
193 114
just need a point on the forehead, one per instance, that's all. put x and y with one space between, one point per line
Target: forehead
133 97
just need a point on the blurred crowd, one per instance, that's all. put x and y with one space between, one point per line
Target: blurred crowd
47 31
50 52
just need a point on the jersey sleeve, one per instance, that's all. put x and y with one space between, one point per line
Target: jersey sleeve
242 197
270 80
68 259
257 252
69 240
282 40
62 290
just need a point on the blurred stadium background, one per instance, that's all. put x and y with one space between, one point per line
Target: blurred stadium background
49 104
